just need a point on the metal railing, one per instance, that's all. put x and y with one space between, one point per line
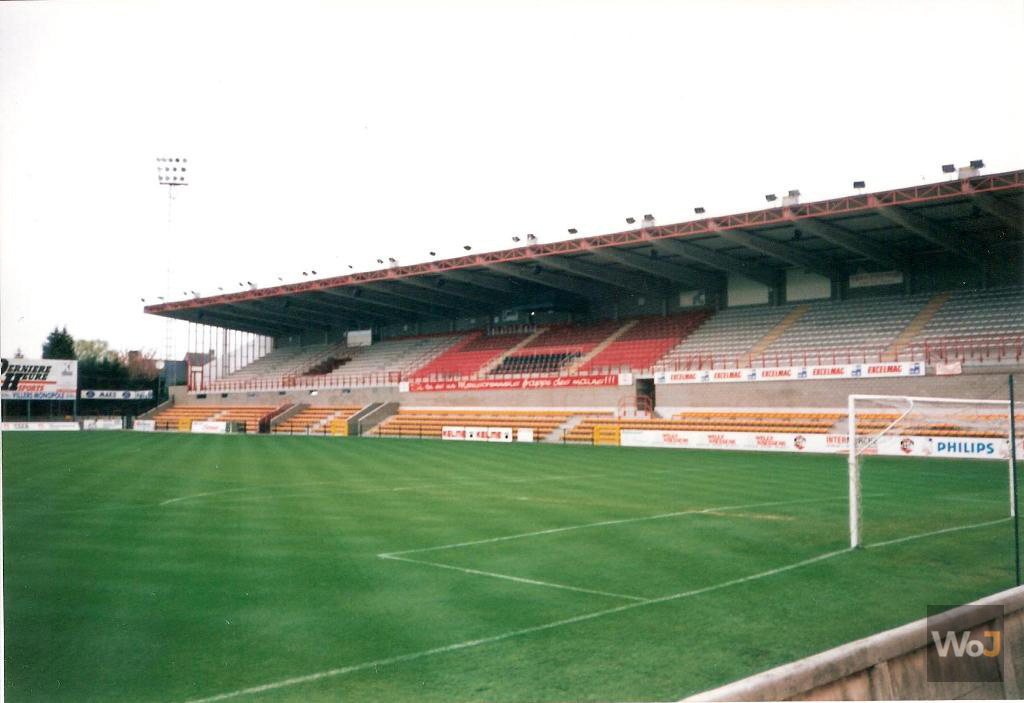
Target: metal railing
995 348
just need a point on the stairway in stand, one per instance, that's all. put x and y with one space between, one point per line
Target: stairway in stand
602 346
914 327
775 332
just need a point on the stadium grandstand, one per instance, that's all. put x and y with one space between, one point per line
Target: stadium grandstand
856 355
638 322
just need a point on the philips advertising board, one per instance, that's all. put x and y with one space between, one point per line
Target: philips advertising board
38 379
895 445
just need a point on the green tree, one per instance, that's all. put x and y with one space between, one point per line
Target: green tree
97 349
59 344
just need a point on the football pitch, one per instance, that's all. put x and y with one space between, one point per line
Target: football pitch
177 567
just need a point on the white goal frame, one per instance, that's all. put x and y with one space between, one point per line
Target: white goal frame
853 455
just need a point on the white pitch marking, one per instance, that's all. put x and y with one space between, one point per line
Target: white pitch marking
245 489
937 532
605 523
330 673
507 577
368 490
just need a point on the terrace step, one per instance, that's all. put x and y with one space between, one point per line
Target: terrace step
287 414
320 424
565 428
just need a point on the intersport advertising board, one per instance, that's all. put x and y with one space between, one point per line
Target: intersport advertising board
794 373
896 445
38 379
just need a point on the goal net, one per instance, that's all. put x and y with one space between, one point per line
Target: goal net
915 493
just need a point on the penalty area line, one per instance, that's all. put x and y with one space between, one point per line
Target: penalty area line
621 521
508 577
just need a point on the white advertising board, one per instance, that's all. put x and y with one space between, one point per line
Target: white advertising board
39 426
209 426
877 278
794 373
116 395
477 434
38 379
144 425
524 434
359 338
103 423
906 445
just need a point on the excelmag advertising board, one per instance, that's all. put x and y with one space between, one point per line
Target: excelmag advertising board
794 373
39 379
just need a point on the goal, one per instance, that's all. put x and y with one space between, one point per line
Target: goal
955 428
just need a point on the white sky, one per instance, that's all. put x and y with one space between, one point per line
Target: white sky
323 134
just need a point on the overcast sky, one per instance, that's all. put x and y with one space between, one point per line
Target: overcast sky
323 134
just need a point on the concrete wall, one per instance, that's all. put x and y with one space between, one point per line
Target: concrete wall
891 665
555 398
976 383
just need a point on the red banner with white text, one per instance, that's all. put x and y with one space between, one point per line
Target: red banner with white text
513 384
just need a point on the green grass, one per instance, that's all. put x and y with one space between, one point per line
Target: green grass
172 567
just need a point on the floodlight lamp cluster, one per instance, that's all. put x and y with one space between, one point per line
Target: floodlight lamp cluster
172 171
971 169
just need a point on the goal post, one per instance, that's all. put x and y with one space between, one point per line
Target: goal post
891 425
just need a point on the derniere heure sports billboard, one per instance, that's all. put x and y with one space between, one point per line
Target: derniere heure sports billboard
39 379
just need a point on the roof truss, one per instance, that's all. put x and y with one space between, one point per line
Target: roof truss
931 231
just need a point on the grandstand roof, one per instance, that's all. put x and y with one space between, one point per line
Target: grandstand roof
971 218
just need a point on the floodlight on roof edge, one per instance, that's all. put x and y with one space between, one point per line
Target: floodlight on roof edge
770 197
859 185
948 168
698 210
630 220
972 170
572 230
